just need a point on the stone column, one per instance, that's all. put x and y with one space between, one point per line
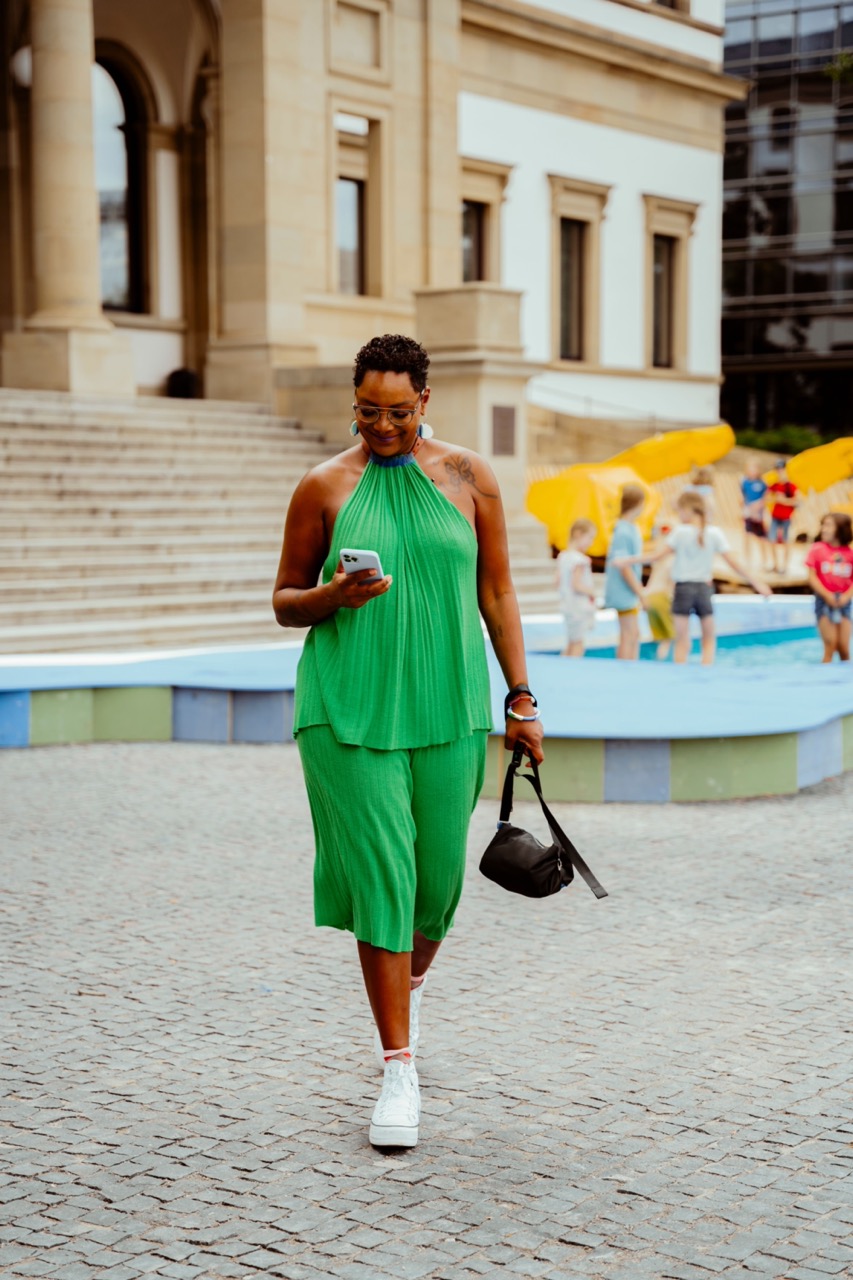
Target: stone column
479 377
67 344
272 176
442 53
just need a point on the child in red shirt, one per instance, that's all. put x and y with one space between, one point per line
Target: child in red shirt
830 566
784 498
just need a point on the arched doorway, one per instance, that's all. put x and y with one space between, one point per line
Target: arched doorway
120 125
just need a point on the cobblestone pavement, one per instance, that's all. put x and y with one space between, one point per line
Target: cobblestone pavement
656 1085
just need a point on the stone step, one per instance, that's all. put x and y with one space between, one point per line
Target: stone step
175 434
168 561
131 604
43 401
97 588
33 463
133 430
91 563
83 548
100 489
256 626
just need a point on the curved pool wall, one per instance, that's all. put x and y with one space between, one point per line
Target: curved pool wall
623 732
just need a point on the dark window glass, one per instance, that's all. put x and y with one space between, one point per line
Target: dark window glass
844 207
814 94
119 137
770 276
816 30
813 333
810 275
736 216
775 35
844 272
814 213
663 301
572 253
350 235
738 40
112 180
735 277
474 215
842 333
813 154
844 147
847 26
736 161
771 213
772 91
771 157
736 335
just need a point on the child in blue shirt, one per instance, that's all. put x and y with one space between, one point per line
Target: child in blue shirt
753 492
623 590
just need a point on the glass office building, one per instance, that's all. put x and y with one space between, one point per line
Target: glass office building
788 216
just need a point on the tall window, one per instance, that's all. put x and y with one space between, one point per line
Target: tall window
120 182
483 187
578 213
359 248
350 235
669 226
663 301
573 235
474 218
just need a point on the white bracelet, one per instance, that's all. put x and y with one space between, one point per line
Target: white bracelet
513 715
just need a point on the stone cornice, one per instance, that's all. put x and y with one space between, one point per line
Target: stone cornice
525 23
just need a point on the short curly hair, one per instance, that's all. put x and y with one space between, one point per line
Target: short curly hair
392 353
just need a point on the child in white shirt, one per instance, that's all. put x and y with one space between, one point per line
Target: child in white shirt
694 543
574 581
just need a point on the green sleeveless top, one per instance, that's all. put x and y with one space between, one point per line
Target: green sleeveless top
409 669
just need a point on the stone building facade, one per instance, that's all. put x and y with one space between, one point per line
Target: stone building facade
249 189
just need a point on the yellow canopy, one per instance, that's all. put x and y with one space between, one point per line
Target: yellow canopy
818 468
590 491
672 453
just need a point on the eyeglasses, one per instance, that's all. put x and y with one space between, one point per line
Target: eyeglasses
369 414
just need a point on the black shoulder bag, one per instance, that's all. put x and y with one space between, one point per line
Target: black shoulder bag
517 861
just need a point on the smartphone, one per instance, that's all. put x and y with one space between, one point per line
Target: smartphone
354 560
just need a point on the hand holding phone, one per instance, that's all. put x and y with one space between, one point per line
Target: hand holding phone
353 590
354 561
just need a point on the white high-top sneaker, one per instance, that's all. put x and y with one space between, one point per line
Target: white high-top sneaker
415 998
397 1113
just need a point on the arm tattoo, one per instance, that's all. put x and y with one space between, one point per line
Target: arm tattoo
460 471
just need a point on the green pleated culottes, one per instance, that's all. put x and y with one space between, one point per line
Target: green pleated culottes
390 829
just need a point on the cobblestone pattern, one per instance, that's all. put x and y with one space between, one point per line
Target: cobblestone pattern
654 1086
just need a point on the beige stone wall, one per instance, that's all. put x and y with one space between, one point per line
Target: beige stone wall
259 241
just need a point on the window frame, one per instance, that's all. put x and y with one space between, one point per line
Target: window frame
674 219
484 182
578 201
140 124
365 159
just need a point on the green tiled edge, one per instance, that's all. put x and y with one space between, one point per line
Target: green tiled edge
573 770
133 715
847 742
733 768
61 715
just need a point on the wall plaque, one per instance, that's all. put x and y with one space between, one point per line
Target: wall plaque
503 430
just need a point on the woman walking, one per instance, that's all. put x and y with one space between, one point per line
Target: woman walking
392 697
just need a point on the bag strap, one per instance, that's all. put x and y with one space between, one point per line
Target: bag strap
556 830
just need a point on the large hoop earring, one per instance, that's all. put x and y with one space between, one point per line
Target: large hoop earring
425 431
353 428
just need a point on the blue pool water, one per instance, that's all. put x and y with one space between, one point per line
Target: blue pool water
798 645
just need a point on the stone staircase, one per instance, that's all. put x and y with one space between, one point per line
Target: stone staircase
157 522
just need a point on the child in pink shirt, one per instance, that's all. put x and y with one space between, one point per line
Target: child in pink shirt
830 566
